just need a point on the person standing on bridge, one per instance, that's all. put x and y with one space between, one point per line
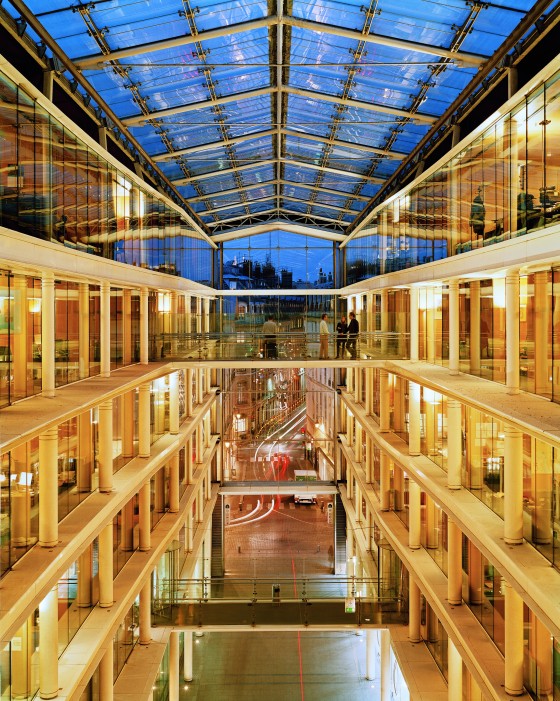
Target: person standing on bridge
324 337
270 345
341 337
353 332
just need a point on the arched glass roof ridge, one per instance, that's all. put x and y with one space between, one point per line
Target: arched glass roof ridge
274 111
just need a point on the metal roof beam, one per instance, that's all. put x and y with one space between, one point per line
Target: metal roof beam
233 205
355 35
325 190
358 104
223 171
191 107
315 204
99 59
235 191
201 148
264 227
334 171
310 94
343 144
140 49
270 211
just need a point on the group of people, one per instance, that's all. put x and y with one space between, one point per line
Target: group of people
346 337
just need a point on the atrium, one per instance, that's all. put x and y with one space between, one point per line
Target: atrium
279 350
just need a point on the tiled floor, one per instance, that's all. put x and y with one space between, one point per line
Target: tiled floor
279 667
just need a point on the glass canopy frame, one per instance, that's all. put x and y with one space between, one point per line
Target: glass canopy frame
288 112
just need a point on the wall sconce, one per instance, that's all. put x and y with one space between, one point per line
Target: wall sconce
430 396
499 293
34 304
164 302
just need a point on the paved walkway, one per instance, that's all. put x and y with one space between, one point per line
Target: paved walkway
308 666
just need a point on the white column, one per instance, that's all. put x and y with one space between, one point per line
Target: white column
454 672
188 392
385 655
48 327
48 488
106 566
20 338
173 318
454 563
105 455
144 333
128 424
84 578
474 326
385 326
513 641
174 403
83 342
371 635
105 327
199 443
369 391
187 655
127 326
188 320
414 520
542 315
413 418
144 428
48 645
384 402
358 385
414 326
454 445
106 665
146 612
430 325
198 303
414 611
513 486
384 482
512 331
174 483
358 442
206 315
453 286
144 519
174 666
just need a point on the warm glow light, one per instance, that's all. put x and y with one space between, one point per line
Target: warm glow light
499 293
430 396
164 302
34 305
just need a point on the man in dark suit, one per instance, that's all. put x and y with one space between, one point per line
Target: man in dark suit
353 331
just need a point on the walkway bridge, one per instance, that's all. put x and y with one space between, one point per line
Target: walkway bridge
326 603
253 346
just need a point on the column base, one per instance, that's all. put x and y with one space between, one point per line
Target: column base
48 544
414 547
454 486
48 694
513 541
517 692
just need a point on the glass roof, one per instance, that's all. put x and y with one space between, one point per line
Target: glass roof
296 113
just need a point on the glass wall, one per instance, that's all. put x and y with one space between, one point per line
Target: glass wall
54 187
278 260
503 184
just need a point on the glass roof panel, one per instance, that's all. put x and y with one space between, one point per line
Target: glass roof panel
356 72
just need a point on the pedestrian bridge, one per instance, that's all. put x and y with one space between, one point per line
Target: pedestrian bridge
290 347
326 603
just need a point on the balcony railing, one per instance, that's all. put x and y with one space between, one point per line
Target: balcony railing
298 346
326 601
